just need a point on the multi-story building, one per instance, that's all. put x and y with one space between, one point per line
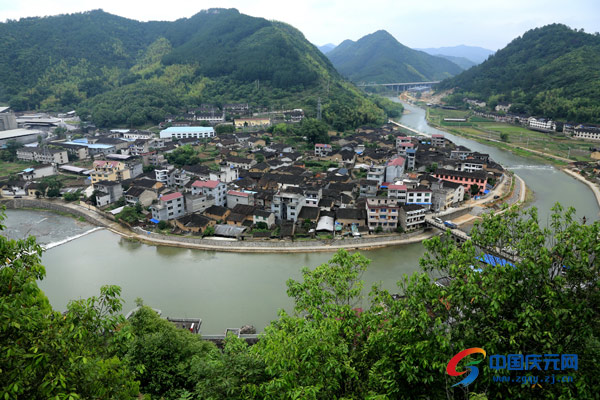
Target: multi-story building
287 206
437 140
312 197
43 155
225 174
467 179
382 212
368 188
469 166
186 132
421 195
446 195
398 192
170 206
216 189
401 140
107 192
198 203
110 171
376 173
586 132
541 124
412 217
235 197
394 169
323 150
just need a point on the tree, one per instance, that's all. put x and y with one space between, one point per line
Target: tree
432 167
315 131
72 196
209 231
259 158
163 225
504 137
44 353
474 190
131 215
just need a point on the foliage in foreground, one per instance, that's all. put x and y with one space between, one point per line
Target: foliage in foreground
335 343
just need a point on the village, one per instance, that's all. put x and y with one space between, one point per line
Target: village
250 180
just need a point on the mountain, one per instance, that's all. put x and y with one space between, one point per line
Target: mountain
380 58
121 71
463 63
473 53
326 48
550 71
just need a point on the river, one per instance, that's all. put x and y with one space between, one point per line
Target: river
228 290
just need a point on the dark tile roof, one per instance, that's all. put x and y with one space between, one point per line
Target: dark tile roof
243 209
216 210
311 213
351 213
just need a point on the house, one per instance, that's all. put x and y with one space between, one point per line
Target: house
312 196
140 195
421 195
502 107
107 192
240 162
194 223
236 219
469 165
412 217
185 132
351 216
260 167
198 203
368 188
235 197
309 213
437 140
38 172
251 122
287 205
398 192
217 213
540 124
43 155
467 179
323 150
225 174
216 189
109 171
394 169
446 195
382 212
170 206
376 173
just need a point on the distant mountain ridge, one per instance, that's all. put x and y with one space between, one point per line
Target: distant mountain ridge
550 71
122 71
326 48
474 53
380 58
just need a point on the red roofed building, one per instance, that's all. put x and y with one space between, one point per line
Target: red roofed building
323 150
398 192
170 206
438 140
394 169
216 189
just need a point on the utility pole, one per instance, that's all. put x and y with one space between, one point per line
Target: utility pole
569 156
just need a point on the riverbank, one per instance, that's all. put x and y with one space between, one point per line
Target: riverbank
580 178
95 217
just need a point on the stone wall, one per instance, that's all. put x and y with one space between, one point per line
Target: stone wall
52 205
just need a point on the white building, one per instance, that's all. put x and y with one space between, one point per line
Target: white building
323 150
541 124
376 173
394 169
43 155
170 206
214 188
287 206
587 132
186 132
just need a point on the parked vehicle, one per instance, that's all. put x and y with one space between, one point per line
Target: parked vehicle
438 220
450 224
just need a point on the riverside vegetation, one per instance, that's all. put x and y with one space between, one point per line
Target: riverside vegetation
335 343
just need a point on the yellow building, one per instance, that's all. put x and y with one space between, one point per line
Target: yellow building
114 171
251 122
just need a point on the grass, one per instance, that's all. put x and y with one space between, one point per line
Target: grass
519 139
8 168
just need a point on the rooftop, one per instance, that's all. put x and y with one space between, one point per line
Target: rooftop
188 129
171 196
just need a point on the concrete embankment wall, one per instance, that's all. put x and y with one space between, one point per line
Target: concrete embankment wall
309 245
49 205
455 214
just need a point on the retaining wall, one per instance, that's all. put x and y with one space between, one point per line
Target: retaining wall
52 205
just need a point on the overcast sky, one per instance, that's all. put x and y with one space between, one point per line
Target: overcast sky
425 23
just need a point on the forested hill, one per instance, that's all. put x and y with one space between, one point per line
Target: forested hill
122 71
380 58
551 71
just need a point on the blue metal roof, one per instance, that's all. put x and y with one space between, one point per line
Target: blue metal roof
495 261
154 220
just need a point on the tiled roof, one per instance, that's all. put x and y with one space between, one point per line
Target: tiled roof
171 196
206 184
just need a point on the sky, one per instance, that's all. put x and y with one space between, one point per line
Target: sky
417 24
